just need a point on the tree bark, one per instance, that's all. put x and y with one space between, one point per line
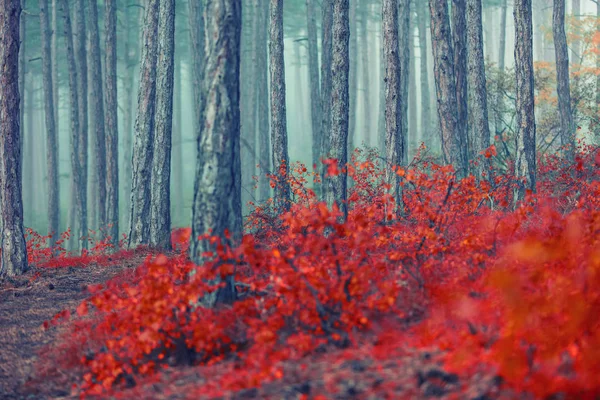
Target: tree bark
394 139
352 78
51 139
82 95
576 43
160 208
278 107
424 73
177 205
313 70
217 208
98 110
248 106
404 37
340 103
459 36
262 80
22 73
412 93
112 131
499 97
525 135
14 249
563 89
326 78
196 26
445 82
54 51
365 86
144 132
477 82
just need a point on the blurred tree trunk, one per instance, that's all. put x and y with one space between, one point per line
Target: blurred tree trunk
576 43
196 26
112 131
412 133
326 80
445 81
404 36
248 106
144 131
563 89
177 205
459 35
365 85
490 25
499 96
381 131
82 95
395 143
22 73
313 69
54 51
278 107
217 205
98 112
336 186
29 164
91 154
160 208
300 90
14 249
51 138
477 82
77 216
424 73
525 135
352 79
262 80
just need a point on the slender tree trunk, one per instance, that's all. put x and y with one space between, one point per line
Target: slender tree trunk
352 78
477 82
91 153
445 81
51 139
22 74
394 139
262 80
313 69
538 15
98 107
144 132
525 135
196 26
82 95
365 69
160 222
77 216
576 43
177 159
278 108
14 250
54 51
459 35
340 103
217 208
499 106
381 130
412 92
567 128
424 73
404 37
326 78
112 131
300 117
28 167
488 36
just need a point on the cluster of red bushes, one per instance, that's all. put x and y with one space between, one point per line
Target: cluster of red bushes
514 291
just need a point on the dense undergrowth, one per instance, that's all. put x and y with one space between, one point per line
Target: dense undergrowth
510 291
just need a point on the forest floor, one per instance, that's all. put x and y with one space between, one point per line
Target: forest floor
28 301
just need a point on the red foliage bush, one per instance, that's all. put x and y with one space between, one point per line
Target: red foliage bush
514 291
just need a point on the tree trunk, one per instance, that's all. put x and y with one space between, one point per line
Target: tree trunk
98 110
22 73
196 26
82 95
112 131
160 221
51 139
340 102
404 37
313 69
412 93
445 82
144 132
177 205
459 36
576 44
352 78
217 208
394 138
28 164
525 135
14 249
77 218
499 97
381 131
262 80
278 108
326 78
365 86
54 51
424 73
477 82
567 128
